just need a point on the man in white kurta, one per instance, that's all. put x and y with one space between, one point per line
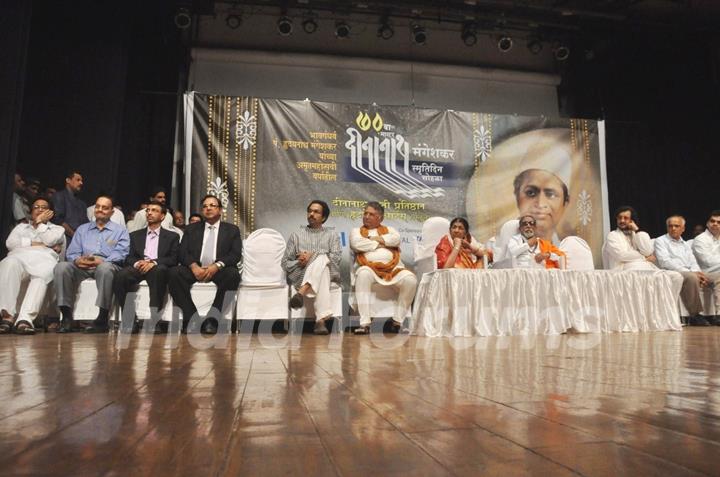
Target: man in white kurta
706 248
377 251
627 248
34 250
140 220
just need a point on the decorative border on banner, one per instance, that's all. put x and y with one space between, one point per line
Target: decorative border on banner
482 137
580 140
245 152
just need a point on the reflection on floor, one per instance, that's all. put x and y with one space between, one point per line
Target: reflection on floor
632 404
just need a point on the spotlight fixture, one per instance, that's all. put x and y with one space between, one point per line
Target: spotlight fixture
469 34
534 45
385 30
342 30
182 19
561 52
419 36
505 44
310 25
233 21
285 25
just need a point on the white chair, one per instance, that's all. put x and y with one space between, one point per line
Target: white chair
433 230
85 297
263 292
508 229
578 253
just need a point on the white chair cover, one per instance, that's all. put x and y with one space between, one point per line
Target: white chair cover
433 230
263 293
579 255
262 258
508 229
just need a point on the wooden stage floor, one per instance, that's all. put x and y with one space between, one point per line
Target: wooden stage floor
619 404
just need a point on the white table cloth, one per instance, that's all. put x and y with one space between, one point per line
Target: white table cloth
459 302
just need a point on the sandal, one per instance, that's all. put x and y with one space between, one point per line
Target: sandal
362 330
23 328
6 326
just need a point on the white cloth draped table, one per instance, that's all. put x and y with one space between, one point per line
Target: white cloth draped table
544 302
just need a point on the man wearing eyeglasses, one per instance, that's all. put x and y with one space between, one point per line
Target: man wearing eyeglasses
527 250
209 252
674 253
34 250
97 250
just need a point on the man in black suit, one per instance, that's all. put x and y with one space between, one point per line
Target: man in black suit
209 252
153 252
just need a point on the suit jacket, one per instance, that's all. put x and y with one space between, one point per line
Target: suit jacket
168 247
228 250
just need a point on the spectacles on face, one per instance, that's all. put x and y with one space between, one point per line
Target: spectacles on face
40 207
525 224
210 206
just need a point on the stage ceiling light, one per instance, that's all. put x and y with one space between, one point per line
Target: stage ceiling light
505 43
342 30
285 25
183 20
561 52
233 21
534 46
469 34
385 30
310 25
419 36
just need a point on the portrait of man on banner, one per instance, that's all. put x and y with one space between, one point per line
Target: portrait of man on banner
552 174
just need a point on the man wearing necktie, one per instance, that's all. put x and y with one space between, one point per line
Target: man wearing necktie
153 252
209 252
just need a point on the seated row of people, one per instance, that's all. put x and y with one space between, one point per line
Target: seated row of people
697 265
211 250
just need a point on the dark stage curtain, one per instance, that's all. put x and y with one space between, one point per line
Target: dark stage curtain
14 31
663 169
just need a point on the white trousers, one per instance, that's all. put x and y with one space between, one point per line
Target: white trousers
12 274
317 275
364 296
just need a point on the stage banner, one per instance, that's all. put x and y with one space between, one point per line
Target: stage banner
267 159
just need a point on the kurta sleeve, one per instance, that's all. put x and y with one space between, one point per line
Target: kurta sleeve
360 244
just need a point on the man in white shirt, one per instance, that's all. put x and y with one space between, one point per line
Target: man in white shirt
626 248
140 220
706 248
527 250
34 251
673 253
377 253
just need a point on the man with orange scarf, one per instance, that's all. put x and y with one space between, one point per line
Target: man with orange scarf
377 252
526 247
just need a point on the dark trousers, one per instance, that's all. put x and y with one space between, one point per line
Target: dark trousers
181 279
128 279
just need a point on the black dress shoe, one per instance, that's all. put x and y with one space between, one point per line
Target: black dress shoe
697 320
714 320
296 302
66 326
96 329
210 327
